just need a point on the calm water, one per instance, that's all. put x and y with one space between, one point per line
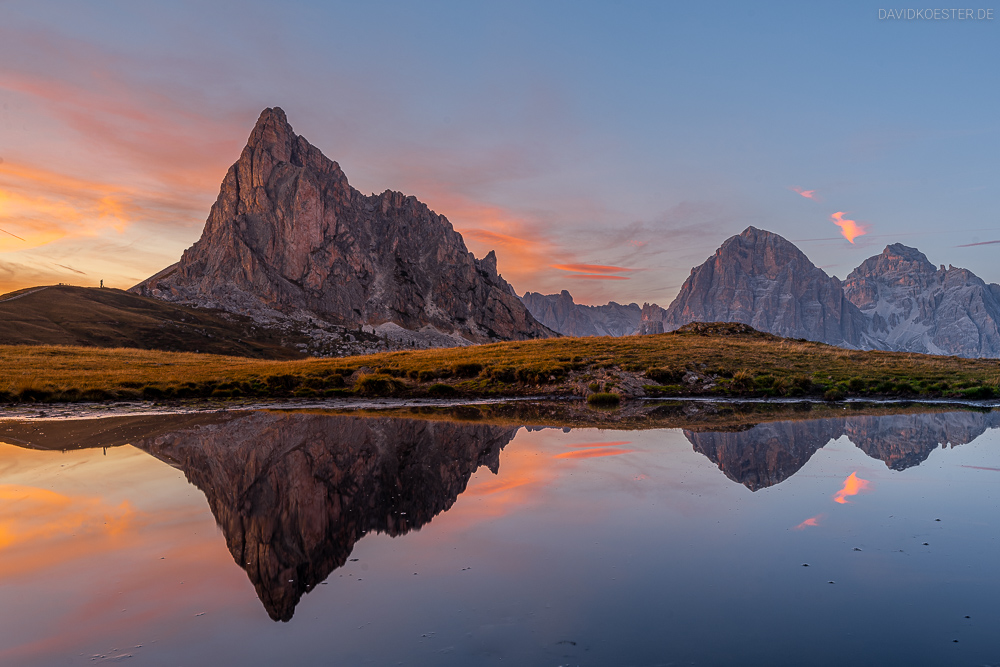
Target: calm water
289 538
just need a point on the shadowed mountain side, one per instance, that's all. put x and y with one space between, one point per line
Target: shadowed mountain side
903 441
65 315
770 453
766 454
294 492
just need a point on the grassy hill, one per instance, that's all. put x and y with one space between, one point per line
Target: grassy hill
698 360
110 318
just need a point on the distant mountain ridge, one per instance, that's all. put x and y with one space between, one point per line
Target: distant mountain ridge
560 313
893 301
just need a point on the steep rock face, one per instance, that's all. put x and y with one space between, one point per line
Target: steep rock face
761 279
288 235
560 313
914 307
294 492
651 319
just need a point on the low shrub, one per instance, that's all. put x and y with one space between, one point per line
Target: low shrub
441 389
604 399
982 393
466 370
833 395
378 385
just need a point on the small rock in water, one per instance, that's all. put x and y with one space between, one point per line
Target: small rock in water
829 582
857 549
927 544
805 564
937 519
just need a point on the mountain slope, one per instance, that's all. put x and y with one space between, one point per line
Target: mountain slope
560 313
288 237
65 315
915 307
761 279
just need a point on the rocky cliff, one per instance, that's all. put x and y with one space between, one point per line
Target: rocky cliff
560 313
293 492
913 306
761 279
288 237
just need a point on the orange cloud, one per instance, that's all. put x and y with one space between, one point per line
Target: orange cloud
593 453
849 228
586 276
595 450
808 194
810 522
591 268
852 486
50 527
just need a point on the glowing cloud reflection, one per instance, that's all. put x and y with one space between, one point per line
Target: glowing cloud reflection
852 486
810 522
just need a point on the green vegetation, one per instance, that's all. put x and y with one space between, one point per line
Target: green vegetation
698 360
604 399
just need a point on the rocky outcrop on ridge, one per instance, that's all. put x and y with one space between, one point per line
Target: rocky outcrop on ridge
288 239
912 306
761 279
294 492
560 313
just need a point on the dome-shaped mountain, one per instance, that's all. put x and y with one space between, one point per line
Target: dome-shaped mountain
761 279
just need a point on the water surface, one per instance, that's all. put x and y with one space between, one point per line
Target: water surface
270 537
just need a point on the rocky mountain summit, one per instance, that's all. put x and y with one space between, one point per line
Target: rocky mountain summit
894 301
290 242
913 306
761 279
560 313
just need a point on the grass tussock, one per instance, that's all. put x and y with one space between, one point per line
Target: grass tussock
698 361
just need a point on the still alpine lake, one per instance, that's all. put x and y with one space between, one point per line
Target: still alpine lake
265 537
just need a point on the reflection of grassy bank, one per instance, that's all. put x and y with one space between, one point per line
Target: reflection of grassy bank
705 360
118 430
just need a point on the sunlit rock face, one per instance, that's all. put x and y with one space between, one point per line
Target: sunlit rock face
293 493
560 313
761 279
289 236
914 307
765 454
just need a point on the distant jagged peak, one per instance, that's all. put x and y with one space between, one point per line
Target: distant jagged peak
895 258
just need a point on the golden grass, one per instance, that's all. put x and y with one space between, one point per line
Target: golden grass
744 363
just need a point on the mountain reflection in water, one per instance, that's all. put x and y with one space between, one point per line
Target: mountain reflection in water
769 453
294 492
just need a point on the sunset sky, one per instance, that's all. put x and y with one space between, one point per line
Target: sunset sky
603 148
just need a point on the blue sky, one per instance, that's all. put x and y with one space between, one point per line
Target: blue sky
566 135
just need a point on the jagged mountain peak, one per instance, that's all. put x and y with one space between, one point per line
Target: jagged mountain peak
289 238
896 258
